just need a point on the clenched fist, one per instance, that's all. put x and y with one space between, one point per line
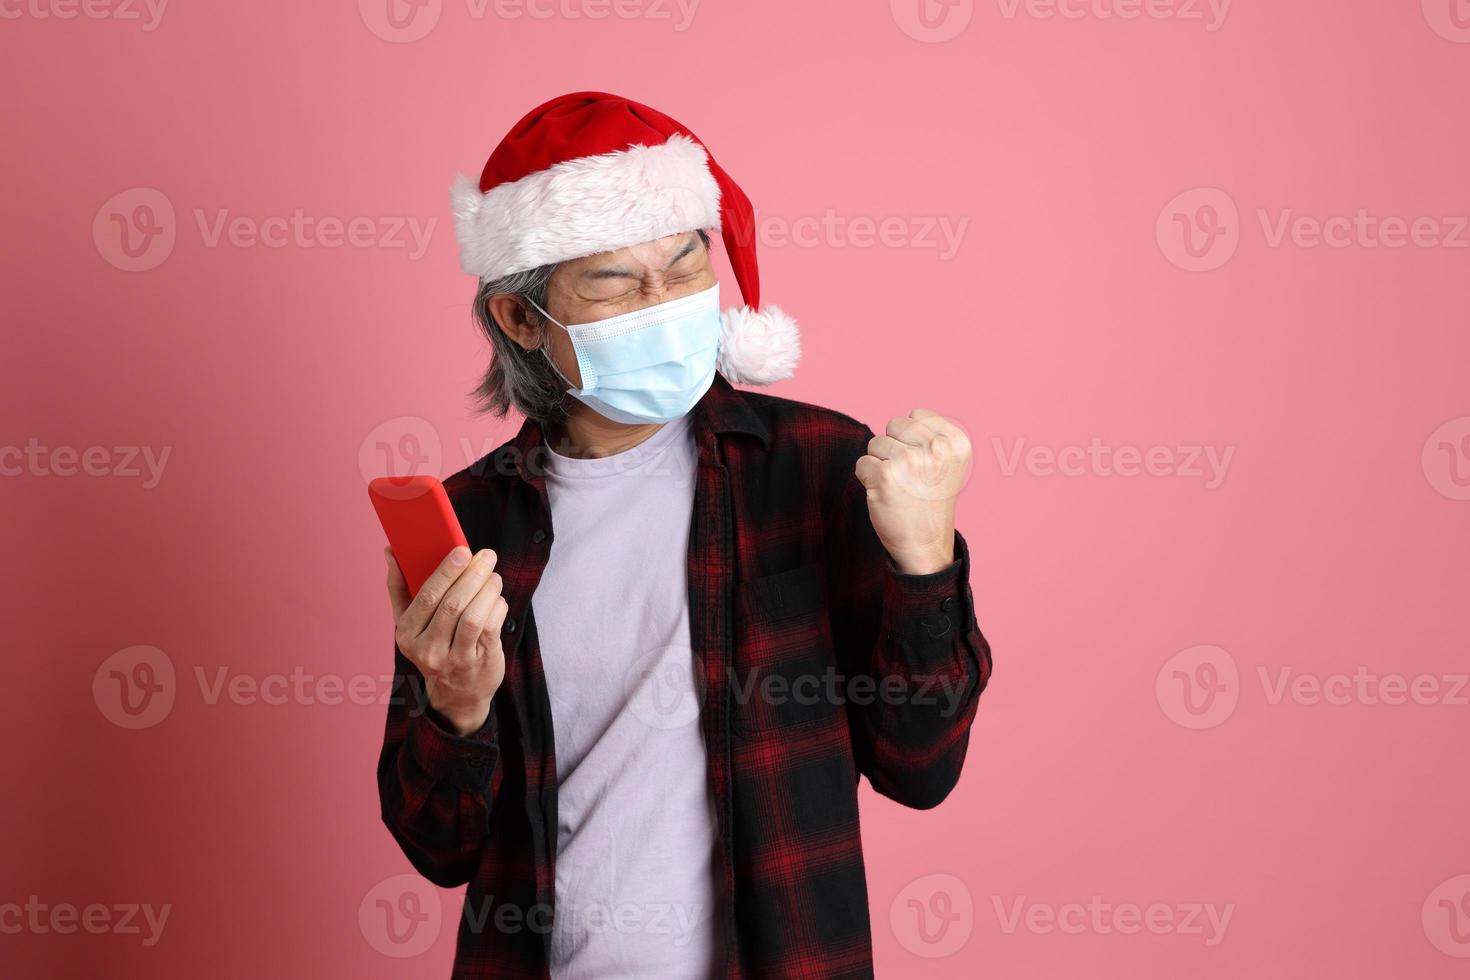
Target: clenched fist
913 474
451 632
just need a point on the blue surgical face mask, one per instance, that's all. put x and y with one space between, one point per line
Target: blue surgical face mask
651 365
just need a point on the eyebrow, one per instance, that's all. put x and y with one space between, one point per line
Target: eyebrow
617 273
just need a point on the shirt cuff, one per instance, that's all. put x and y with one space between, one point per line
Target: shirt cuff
465 760
924 613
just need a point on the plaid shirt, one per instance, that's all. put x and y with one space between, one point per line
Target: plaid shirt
819 662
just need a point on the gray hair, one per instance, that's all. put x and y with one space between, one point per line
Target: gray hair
518 378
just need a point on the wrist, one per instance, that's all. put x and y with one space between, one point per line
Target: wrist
925 563
462 722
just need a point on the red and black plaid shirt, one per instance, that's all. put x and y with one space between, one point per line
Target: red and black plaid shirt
819 662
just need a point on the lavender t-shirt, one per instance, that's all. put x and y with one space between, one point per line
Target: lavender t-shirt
635 889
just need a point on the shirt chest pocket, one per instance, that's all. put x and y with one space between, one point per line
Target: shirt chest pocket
785 673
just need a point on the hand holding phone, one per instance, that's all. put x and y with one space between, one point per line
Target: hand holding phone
448 606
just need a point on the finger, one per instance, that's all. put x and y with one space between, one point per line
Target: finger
498 614
885 447
938 424
397 586
474 620
426 603
907 430
867 471
440 631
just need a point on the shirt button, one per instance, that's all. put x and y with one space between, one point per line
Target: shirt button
510 625
539 536
948 604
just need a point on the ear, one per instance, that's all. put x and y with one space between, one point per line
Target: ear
510 314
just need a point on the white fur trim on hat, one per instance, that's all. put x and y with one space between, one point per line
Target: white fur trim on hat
584 206
758 348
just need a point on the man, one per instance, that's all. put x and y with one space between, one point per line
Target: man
632 716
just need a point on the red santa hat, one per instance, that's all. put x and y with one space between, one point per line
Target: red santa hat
589 173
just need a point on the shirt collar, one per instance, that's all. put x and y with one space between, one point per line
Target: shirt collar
722 410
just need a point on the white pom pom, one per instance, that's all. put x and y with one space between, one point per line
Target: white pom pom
758 348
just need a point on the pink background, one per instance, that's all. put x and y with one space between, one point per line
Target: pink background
1072 309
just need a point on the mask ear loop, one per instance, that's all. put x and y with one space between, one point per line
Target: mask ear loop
546 342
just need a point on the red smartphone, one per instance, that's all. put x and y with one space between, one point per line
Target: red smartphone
417 517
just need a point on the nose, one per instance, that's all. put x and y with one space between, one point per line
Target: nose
654 291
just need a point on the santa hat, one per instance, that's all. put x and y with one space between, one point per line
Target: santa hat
589 173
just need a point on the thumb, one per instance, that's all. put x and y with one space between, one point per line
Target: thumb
867 470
